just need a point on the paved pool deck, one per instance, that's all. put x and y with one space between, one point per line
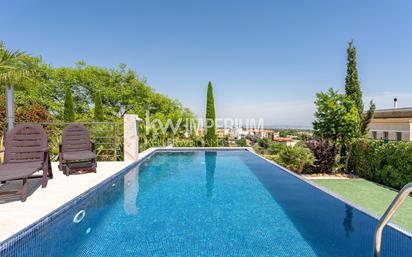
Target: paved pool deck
16 215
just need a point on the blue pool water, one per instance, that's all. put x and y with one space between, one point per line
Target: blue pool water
224 203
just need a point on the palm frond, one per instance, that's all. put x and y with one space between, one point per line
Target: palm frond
9 57
15 75
12 66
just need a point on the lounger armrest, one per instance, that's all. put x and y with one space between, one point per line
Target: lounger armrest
46 152
93 146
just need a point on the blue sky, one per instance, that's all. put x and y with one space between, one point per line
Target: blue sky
266 59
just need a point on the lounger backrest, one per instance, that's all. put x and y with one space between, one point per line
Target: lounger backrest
25 143
75 137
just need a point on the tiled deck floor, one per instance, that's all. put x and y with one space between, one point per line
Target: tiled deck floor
16 215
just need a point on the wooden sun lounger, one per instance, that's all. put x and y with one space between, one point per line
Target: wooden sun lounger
26 152
77 152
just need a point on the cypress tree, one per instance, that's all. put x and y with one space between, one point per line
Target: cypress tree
353 89
68 114
98 108
352 83
366 119
210 136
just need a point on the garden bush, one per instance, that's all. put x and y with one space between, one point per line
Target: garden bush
264 142
325 155
389 164
276 148
28 111
241 142
295 158
183 143
265 146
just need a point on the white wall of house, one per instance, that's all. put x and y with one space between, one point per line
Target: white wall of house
392 128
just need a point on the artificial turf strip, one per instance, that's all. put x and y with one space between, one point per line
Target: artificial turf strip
371 196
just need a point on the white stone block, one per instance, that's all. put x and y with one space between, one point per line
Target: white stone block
131 137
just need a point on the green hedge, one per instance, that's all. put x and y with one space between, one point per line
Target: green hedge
389 164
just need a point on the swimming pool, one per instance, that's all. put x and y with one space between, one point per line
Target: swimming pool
205 203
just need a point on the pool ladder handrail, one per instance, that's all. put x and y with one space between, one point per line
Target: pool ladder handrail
393 207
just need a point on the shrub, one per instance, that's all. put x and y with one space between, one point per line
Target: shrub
264 142
34 113
275 148
258 150
198 141
274 158
324 153
183 143
241 142
295 158
29 112
223 141
387 163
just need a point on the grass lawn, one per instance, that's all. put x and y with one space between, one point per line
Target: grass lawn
372 197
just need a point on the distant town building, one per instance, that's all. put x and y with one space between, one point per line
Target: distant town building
252 135
222 132
392 124
285 141
239 133
263 133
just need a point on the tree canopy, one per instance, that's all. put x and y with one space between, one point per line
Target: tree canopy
337 117
123 90
14 65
